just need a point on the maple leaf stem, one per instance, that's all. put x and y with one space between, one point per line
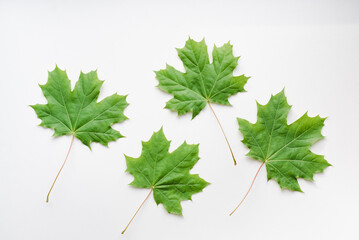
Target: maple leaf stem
224 134
137 212
248 189
67 155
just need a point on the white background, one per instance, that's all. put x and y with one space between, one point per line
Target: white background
309 47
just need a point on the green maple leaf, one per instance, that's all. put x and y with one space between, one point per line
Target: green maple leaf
166 174
77 112
283 148
203 82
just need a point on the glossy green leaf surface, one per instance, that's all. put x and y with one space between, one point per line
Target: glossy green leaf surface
166 173
77 112
202 81
285 149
